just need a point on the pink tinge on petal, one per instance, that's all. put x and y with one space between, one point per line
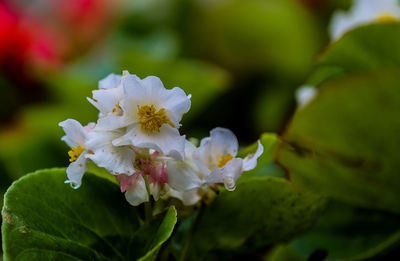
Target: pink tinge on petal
127 182
89 127
163 178
153 168
157 174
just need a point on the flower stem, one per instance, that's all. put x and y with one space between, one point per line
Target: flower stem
148 212
148 208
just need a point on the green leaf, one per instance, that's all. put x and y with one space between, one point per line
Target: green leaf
364 48
284 253
45 219
347 233
345 143
101 172
260 212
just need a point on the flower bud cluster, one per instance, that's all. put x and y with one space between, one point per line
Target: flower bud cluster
136 139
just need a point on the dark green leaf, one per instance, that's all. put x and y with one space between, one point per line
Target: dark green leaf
346 142
347 233
265 165
284 253
45 219
260 212
364 48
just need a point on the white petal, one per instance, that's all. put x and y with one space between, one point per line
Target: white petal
76 170
134 96
220 143
183 175
117 160
190 148
111 122
177 103
168 141
75 133
137 194
155 189
106 100
223 142
111 81
250 162
227 175
151 91
188 198
153 87
203 157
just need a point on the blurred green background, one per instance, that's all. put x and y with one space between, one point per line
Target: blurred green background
241 61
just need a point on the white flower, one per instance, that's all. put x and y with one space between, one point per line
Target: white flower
150 112
213 162
152 115
107 100
217 153
305 94
364 12
75 137
117 160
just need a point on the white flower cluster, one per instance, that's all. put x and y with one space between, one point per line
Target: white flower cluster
364 12
136 138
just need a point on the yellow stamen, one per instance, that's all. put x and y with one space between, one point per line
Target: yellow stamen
117 110
152 120
224 159
386 18
75 152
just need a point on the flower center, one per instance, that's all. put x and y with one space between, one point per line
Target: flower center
117 110
75 152
224 159
386 18
151 120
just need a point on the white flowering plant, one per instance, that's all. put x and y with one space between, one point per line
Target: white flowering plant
169 182
137 140
143 181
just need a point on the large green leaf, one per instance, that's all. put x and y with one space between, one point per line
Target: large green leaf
366 47
284 253
346 143
260 212
45 219
344 232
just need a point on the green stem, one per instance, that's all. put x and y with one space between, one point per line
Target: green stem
148 212
148 208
